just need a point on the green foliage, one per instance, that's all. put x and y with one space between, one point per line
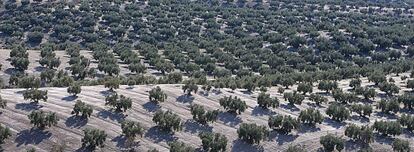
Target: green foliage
362 110
131 129
35 95
252 133
293 98
47 75
344 97
318 99
338 112
305 88
137 68
287 81
377 77
156 95
366 92
19 58
389 105
5 133
389 88
167 121
295 148
327 85
401 145
364 134
407 121
233 105
388 127
177 146
331 142
190 86
311 116
265 101
83 108
202 116
74 89
28 82
410 84
93 138
121 105
3 103
213 142
42 119
354 83
112 83
407 100
285 124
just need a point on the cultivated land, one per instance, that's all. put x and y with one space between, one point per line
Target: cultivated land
69 128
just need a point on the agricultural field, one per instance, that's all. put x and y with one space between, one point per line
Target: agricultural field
206 75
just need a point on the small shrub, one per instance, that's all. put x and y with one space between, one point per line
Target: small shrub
213 142
156 95
83 108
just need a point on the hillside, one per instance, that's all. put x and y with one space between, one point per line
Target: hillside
69 128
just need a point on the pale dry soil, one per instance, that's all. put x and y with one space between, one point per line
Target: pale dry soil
69 128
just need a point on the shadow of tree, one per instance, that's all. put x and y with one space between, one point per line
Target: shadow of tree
246 92
283 139
40 68
106 92
123 143
194 127
360 118
158 135
259 111
229 119
241 146
28 106
151 106
69 98
31 136
290 107
105 114
386 115
76 122
185 98
383 139
308 128
333 123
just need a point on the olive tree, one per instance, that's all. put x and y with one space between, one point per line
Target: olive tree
338 112
167 121
120 104
42 119
177 146
362 110
93 138
311 116
156 95
305 88
5 133
265 101
318 99
285 124
364 134
35 95
388 127
293 98
400 145
213 142
252 133
233 104
112 83
74 89
83 108
407 121
331 142
202 116
131 129
327 85
190 86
